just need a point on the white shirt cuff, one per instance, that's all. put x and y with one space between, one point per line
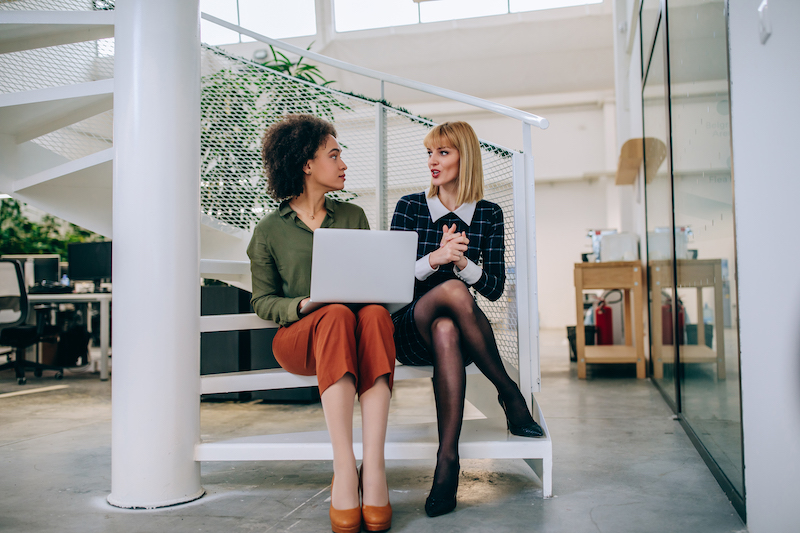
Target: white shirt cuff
423 269
471 273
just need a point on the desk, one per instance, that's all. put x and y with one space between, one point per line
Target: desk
103 298
624 275
696 273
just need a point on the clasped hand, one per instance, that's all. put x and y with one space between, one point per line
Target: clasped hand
451 249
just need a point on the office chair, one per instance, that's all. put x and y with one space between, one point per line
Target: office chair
13 330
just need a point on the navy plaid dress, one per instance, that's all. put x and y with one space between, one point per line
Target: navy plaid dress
486 248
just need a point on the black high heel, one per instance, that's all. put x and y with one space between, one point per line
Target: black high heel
439 505
531 430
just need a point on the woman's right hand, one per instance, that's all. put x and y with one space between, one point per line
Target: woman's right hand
303 302
451 249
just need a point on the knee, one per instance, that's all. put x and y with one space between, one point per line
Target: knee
334 332
338 314
444 332
457 295
374 315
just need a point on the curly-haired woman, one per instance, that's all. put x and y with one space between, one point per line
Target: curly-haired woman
348 352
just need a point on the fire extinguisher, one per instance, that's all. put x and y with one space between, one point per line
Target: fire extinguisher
666 322
604 323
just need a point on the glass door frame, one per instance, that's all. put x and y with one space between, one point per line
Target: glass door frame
662 25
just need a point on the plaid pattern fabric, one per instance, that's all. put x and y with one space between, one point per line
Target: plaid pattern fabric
486 249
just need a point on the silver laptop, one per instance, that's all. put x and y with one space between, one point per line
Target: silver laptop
353 266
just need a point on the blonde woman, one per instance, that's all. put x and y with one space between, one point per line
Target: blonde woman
460 246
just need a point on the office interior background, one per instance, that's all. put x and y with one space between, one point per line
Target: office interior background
672 123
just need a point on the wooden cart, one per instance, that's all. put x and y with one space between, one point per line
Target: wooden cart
626 276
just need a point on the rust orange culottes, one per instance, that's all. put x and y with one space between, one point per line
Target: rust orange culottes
334 341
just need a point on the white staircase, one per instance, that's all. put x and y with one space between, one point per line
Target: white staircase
37 110
57 154
56 148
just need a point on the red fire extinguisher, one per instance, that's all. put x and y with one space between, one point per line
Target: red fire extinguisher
604 323
666 322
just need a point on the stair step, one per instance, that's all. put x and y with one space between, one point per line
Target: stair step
278 378
222 266
30 114
223 227
87 171
211 323
480 439
78 191
27 30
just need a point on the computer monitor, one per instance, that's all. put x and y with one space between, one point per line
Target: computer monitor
90 261
46 267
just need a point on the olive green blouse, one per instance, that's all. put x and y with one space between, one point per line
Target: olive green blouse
280 257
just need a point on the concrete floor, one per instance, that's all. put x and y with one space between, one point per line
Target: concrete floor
621 464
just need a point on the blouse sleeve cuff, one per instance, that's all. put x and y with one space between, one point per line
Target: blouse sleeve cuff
423 269
293 312
471 273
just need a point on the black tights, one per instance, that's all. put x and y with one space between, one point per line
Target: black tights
452 325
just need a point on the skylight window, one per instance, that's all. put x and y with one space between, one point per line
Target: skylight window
352 15
518 6
278 19
440 10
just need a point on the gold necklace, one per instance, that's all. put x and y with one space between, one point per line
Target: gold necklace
309 215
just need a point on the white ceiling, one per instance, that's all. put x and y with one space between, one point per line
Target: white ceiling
534 53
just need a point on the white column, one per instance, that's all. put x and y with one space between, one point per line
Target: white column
325 26
156 384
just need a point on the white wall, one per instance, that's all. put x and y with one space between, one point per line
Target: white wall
765 112
564 211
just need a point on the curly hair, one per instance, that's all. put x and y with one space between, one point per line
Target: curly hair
286 147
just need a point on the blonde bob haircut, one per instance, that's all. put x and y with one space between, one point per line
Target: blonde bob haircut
460 136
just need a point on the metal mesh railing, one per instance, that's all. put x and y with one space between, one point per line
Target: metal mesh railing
58 66
241 99
82 138
56 5
498 188
54 66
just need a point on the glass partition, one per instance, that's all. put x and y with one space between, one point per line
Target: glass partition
691 253
704 239
658 199
649 13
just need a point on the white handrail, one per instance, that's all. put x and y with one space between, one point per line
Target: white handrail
527 118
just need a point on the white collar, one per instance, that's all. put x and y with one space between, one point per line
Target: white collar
438 210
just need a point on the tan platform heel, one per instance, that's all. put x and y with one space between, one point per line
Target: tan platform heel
376 518
345 520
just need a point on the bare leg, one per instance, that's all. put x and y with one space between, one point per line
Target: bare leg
374 415
338 402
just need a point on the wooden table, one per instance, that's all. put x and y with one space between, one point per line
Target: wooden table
696 273
624 275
